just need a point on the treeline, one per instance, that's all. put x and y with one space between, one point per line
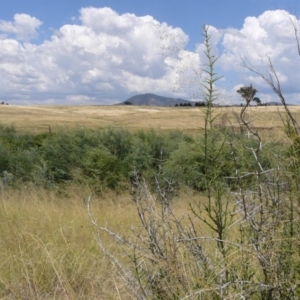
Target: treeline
106 158
190 104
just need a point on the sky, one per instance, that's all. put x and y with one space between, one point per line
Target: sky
86 52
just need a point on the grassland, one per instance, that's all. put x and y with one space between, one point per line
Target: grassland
39 118
48 245
48 248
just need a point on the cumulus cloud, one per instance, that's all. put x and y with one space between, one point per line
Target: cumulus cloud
268 35
107 57
24 27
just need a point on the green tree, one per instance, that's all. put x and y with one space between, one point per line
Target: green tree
247 93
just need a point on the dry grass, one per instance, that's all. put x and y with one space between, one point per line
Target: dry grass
39 118
48 248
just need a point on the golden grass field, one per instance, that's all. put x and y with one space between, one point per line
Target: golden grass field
38 118
48 245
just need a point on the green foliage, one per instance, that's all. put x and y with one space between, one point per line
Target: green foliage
247 93
5 158
117 141
186 164
69 155
22 165
84 156
101 166
61 153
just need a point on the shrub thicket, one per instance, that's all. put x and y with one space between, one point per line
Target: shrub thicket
105 158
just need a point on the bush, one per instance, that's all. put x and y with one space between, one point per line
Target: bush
62 154
117 141
101 165
186 166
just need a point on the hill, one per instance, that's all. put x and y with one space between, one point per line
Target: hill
155 100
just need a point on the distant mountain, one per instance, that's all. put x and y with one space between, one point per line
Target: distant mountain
149 99
154 100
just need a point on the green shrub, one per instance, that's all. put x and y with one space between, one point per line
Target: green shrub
117 141
5 158
22 165
62 154
99 164
186 166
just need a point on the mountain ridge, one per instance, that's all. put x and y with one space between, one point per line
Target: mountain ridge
150 99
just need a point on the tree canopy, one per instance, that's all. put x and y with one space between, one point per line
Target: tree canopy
248 93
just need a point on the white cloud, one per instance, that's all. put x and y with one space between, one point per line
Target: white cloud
106 56
24 27
269 35
79 99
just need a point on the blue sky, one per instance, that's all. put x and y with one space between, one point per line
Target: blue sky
103 52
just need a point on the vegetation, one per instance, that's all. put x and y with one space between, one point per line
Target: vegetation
184 104
199 103
48 248
241 242
105 159
248 93
212 215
